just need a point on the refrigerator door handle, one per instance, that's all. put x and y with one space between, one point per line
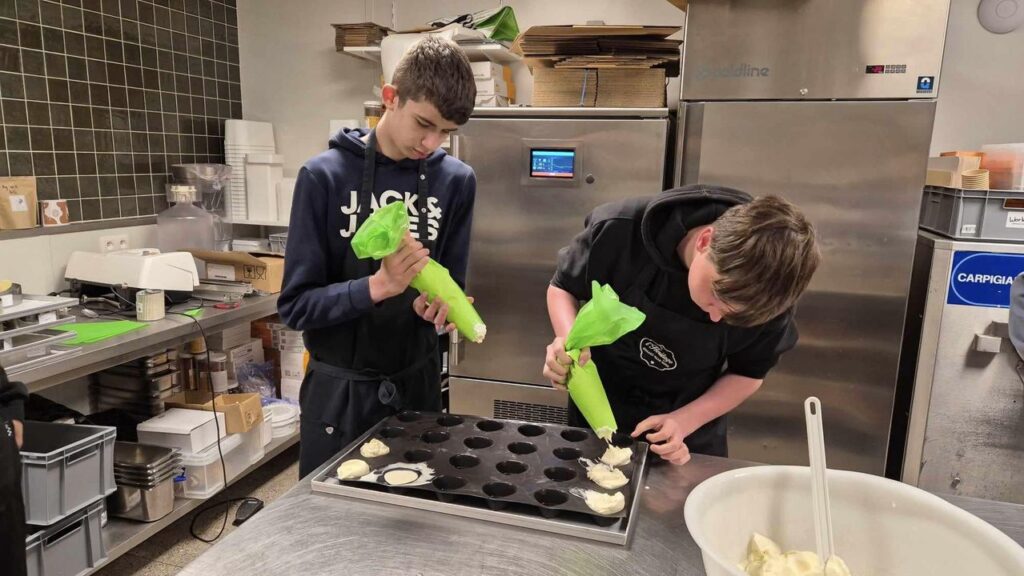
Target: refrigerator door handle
456 147
456 349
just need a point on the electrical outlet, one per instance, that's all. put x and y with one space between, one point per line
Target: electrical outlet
112 242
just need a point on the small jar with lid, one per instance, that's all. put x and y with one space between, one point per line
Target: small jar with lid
186 370
214 365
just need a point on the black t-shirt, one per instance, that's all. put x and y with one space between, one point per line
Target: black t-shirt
612 251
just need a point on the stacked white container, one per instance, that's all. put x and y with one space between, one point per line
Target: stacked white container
285 421
285 193
241 138
266 428
204 476
263 172
195 434
293 361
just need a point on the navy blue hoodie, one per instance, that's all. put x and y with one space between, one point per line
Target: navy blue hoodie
326 288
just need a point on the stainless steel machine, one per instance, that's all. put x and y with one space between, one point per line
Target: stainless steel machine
539 172
828 103
966 428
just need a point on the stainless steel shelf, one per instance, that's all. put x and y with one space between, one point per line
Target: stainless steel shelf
120 536
494 52
566 112
159 335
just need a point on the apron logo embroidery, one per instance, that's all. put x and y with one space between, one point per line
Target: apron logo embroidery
657 356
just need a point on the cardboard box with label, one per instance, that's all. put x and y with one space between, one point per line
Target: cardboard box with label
248 353
264 271
290 388
293 364
492 87
486 69
241 411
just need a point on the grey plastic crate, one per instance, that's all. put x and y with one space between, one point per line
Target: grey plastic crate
65 467
278 242
68 548
973 214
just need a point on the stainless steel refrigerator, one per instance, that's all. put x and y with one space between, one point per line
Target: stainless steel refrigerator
828 103
539 172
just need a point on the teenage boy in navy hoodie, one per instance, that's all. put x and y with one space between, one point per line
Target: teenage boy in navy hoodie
373 340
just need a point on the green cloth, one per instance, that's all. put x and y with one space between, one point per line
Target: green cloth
500 25
92 332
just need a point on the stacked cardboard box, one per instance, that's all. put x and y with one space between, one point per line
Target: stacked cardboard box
608 66
361 34
494 86
606 87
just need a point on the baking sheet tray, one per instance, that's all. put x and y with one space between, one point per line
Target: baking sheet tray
512 472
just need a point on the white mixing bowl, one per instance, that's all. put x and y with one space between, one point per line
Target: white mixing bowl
881 527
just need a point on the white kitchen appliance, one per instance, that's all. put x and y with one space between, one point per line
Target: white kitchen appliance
140 268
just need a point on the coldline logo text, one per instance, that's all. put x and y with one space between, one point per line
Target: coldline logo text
734 71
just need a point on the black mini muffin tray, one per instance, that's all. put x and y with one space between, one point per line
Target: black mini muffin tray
521 473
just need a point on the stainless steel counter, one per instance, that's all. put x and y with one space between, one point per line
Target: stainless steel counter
153 338
310 534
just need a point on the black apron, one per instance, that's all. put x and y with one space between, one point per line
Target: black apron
12 507
666 363
339 402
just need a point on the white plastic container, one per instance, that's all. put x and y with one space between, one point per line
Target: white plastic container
285 193
252 444
881 526
266 428
262 173
203 473
185 226
248 132
286 420
191 431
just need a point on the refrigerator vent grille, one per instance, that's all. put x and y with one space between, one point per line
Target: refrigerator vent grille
529 412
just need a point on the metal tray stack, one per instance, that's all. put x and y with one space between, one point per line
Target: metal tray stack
27 337
507 471
138 387
145 481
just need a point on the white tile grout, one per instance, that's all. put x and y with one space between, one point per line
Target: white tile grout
192 75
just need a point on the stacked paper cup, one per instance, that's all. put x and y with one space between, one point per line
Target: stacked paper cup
975 179
243 137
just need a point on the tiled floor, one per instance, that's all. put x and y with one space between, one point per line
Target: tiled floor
171 549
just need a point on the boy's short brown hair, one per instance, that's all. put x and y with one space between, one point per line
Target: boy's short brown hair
765 253
436 70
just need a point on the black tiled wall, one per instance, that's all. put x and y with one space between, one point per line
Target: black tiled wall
101 97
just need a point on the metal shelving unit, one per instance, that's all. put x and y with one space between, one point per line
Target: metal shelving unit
494 52
120 536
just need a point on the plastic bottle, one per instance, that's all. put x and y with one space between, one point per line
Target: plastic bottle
184 226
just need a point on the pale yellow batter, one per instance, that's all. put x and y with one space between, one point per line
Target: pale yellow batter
400 477
604 503
352 469
765 558
373 449
615 456
607 477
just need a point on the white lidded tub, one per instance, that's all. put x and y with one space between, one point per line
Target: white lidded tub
881 526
